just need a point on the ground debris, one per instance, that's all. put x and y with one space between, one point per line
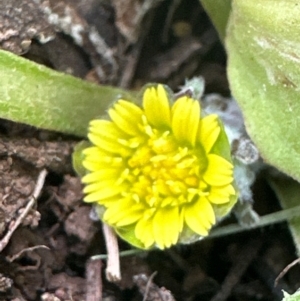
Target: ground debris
86 229
49 297
25 211
130 15
151 291
17 183
5 283
67 287
66 18
53 155
131 266
94 285
242 261
69 194
20 22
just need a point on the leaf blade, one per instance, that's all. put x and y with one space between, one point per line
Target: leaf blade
36 95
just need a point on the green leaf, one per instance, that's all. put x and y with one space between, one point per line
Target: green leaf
288 191
77 157
38 96
288 297
221 146
218 11
127 233
263 68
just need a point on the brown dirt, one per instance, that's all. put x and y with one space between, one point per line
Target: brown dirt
171 41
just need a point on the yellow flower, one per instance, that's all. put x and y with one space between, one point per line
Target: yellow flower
156 171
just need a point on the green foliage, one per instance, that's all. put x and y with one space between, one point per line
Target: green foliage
288 192
38 96
294 297
77 157
262 43
263 70
219 11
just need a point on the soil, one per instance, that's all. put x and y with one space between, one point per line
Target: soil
48 256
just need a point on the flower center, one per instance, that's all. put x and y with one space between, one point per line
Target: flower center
163 173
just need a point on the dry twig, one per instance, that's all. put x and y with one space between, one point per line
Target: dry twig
93 280
113 272
15 224
285 270
150 290
16 256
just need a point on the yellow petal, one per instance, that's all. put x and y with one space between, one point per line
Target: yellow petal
131 217
205 211
144 232
123 213
209 131
105 192
219 171
185 119
126 117
130 110
106 129
157 106
199 216
98 186
166 225
92 165
111 146
113 208
221 195
102 159
102 175
107 202
94 151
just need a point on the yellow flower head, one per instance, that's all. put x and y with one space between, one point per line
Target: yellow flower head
159 172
